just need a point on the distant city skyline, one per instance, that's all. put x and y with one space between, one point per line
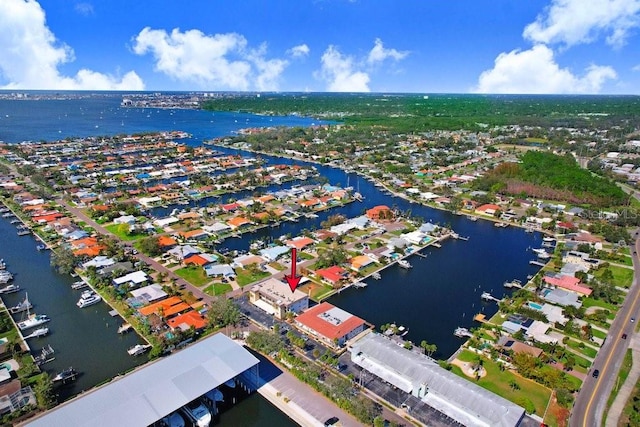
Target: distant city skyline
414 46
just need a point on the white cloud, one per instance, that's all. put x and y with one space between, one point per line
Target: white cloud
636 68
84 8
536 71
268 70
378 53
30 55
221 60
298 51
574 22
341 74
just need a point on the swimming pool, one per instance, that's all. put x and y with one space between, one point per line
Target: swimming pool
535 305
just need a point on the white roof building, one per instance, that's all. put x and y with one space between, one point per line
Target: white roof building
462 400
152 392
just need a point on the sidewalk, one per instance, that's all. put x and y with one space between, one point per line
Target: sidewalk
627 388
301 403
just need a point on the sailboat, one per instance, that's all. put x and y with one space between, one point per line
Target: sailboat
24 305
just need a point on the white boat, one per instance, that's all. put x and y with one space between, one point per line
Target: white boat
66 375
9 289
462 332
79 284
138 349
197 413
24 305
174 419
125 327
89 300
32 321
404 264
40 332
359 284
376 275
548 239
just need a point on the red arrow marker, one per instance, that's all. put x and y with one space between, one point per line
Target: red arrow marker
293 280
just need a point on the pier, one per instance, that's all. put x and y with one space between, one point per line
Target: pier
538 263
515 283
488 297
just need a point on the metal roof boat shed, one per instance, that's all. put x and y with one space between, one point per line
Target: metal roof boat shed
154 391
444 391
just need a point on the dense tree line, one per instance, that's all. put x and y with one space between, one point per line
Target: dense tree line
414 113
550 176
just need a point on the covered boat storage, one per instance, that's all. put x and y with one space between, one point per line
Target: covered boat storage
153 391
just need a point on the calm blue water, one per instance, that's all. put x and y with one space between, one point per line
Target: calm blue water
440 293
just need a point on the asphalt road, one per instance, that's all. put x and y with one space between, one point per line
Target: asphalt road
590 404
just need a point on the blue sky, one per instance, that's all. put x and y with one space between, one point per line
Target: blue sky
422 46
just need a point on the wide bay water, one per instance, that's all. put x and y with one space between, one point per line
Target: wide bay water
438 294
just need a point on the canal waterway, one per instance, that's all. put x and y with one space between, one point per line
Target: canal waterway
85 339
440 292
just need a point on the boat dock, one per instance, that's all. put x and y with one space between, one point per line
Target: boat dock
515 283
462 332
421 255
538 263
488 297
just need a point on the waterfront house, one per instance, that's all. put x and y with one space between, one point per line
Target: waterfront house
99 262
276 298
569 283
238 222
360 262
330 324
380 212
332 275
166 308
146 295
488 209
131 280
561 297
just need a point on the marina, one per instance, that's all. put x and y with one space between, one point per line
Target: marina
423 282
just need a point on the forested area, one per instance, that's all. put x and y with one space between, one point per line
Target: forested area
549 176
414 113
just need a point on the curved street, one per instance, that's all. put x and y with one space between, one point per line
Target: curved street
592 399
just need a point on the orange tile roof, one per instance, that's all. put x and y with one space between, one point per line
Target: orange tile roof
165 241
238 221
312 319
169 306
190 318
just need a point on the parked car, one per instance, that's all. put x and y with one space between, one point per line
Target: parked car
331 422
596 373
624 336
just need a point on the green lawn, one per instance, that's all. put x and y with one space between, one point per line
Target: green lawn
530 394
246 277
590 302
621 276
586 350
218 288
318 290
194 275
622 377
122 232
